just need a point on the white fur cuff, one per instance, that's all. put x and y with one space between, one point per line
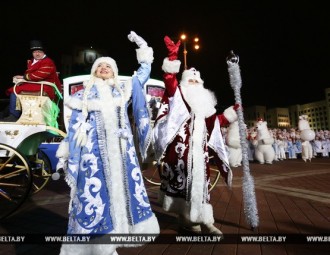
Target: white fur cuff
230 114
145 54
171 66
63 150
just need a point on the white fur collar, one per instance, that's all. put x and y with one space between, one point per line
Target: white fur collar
97 104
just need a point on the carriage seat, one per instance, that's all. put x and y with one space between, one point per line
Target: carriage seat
37 108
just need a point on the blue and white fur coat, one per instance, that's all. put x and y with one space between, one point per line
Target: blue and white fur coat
108 194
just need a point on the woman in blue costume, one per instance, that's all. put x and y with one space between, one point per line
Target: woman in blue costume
99 159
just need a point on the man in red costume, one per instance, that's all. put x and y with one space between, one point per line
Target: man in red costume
39 68
186 133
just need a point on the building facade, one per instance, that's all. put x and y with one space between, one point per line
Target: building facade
318 114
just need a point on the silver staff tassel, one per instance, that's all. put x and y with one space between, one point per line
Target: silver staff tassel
250 204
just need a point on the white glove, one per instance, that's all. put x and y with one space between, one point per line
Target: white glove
133 37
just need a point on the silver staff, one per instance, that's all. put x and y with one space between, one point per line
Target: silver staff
249 198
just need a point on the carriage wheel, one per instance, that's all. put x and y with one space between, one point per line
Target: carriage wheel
214 178
41 165
15 180
41 170
151 173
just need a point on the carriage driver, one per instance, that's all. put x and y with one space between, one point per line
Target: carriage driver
39 68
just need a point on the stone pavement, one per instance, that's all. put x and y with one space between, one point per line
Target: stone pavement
293 201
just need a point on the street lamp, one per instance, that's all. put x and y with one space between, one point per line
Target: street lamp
184 39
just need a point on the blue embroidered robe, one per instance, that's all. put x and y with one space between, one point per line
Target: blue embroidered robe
108 194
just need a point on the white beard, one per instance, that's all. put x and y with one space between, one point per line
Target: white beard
201 101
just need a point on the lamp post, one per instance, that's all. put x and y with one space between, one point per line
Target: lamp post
184 39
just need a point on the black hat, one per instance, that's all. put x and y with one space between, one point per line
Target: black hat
36 45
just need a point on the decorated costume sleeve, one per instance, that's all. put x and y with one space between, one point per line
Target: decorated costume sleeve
139 104
145 57
171 66
46 69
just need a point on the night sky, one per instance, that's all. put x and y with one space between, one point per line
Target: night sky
284 48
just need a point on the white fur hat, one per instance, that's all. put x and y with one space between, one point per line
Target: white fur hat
81 136
107 60
191 73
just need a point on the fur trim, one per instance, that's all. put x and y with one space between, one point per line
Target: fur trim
230 114
171 66
88 249
198 170
63 150
77 103
128 90
179 206
145 55
191 73
144 152
96 104
149 226
107 60
114 161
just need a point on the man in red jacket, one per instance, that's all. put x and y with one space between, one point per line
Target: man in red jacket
39 68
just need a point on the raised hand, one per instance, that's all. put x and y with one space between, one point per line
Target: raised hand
237 107
133 37
173 49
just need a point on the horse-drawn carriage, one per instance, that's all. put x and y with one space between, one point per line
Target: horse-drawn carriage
28 146
24 167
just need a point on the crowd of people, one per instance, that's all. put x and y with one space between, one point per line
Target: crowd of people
288 143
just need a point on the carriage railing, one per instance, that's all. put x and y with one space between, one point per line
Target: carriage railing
18 82
37 107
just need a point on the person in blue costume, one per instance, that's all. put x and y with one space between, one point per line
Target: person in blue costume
99 159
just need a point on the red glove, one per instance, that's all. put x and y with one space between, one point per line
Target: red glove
173 49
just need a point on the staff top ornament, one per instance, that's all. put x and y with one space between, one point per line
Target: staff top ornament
232 57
